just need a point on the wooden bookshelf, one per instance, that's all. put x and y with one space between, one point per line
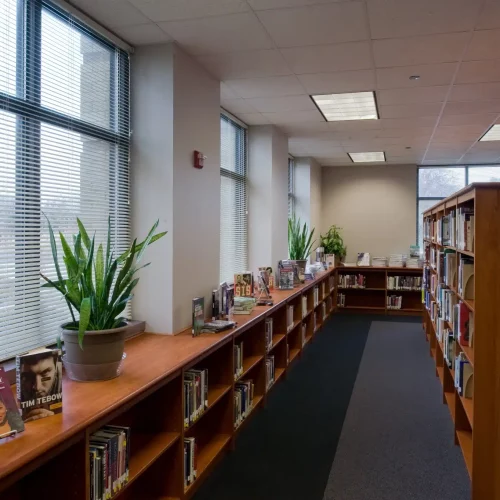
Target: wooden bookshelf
373 298
149 397
475 420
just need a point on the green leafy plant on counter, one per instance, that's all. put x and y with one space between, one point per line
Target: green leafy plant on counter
300 239
333 242
98 286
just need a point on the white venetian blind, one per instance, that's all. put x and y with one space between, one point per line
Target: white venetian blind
64 150
233 206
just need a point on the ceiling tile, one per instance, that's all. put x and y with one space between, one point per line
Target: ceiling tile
142 34
325 58
278 4
410 110
266 87
316 24
212 35
236 106
458 133
480 157
452 148
444 161
343 81
253 118
420 121
305 129
475 92
251 64
430 75
111 13
401 18
172 10
427 49
294 117
472 107
226 92
412 96
483 119
490 16
355 125
479 71
342 160
286 103
484 45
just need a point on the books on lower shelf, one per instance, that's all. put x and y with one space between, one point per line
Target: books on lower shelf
394 301
466 277
464 376
331 282
303 330
190 450
238 360
289 317
269 333
465 229
463 325
243 400
449 268
323 310
352 281
304 306
109 455
269 371
316 296
404 282
340 299
195 395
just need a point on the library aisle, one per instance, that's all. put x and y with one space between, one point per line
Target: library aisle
360 417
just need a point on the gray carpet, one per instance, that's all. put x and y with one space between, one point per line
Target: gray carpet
397 438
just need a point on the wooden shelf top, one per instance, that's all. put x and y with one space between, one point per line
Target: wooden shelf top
381 269
468 405
465 440
293 354
360 288
450 400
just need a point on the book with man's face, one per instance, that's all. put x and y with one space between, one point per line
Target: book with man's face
39 383
10 418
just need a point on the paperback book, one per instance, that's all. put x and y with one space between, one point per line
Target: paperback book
198 316
11 421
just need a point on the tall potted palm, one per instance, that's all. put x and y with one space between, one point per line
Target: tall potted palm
300 243
97 288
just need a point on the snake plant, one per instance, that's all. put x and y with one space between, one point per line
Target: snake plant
300 239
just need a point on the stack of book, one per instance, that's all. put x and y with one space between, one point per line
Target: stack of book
269 333
341 300
379 262
414 262
269 371
238 360
195 395
189 460
404 282
396 260
289 317
394 301
352 281
243 400
243 305
465 229
109 452
217 326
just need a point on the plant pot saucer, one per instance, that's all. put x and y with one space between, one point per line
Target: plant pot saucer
93 373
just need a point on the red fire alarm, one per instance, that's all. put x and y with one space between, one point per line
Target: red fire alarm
199 158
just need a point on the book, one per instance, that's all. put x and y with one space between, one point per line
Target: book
11 421
219 325
243 284
198 315
363 259
39 383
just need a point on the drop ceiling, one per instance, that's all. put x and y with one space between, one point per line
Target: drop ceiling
270 55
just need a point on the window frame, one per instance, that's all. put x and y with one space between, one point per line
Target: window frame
291 186
30 115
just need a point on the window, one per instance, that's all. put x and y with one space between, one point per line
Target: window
291 187
436 183
64 150
233 196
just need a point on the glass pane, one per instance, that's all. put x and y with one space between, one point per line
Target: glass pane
76 72
484 174
423 205
440 182
8 46
233 154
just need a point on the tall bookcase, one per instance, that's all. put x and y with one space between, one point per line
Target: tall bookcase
477 419
52 454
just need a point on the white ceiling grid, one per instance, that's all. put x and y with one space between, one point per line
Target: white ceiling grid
270 55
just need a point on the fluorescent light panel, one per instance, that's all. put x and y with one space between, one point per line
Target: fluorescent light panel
493 134
367 157
353 106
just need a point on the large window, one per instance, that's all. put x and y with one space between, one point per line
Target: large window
291 187
233 195
64 151
436 183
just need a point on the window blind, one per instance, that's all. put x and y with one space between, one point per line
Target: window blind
233 209
64 152
291 187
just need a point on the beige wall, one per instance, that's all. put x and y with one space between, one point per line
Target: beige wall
375 206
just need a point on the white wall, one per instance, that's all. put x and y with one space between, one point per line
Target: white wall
375 206
175 110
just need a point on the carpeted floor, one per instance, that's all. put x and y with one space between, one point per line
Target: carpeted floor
287 450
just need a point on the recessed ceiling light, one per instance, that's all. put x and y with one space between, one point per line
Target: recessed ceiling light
341 107
367 157
415 77
493 134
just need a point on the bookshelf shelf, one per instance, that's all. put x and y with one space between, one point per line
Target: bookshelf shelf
365 307
362 289
470 216
278 373
308 339
277 338
248 364
295 325
293 354
256 402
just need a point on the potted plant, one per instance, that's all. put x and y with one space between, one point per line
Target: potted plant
98 287
333 243
300 243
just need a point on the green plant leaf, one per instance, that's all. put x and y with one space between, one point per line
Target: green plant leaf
99 272
83 232
83 323
69 258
